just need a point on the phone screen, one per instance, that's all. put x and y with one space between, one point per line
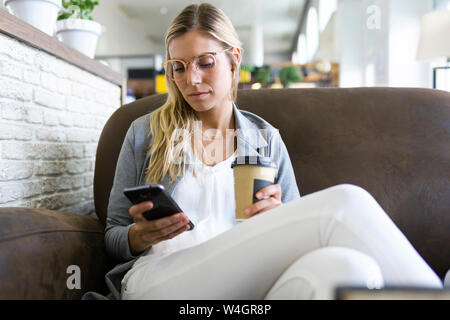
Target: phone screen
163 204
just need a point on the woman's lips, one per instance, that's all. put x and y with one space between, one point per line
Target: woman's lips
198 95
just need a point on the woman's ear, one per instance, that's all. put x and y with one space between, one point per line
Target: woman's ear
236 52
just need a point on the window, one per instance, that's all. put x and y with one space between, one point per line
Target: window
441 4
301 49
300 54
326 9
312 33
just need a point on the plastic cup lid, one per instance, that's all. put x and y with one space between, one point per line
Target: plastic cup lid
253 160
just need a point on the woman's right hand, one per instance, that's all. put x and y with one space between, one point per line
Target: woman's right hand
145 233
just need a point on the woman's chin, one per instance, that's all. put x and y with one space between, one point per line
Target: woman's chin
200 109
200 106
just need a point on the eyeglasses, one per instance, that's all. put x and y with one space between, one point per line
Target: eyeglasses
176 68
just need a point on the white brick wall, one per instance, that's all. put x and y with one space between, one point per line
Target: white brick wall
51 117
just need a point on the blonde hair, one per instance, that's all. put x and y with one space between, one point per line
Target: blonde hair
176 113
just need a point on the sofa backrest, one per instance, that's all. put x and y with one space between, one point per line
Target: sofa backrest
393 142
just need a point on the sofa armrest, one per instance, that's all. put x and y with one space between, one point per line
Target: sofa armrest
37 247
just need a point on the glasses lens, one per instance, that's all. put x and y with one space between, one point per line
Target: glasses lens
175 69
205 62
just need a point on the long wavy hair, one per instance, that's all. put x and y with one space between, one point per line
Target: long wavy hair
172 125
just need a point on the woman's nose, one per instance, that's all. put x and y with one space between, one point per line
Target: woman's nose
193 75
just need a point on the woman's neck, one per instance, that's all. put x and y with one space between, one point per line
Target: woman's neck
220 118
214 143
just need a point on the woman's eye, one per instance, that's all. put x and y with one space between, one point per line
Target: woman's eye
178 67
206 62
206 65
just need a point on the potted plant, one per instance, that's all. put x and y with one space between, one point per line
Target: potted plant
41 14
288 75
76 28
263 75
246 73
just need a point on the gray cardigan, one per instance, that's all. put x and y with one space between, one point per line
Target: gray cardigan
255 136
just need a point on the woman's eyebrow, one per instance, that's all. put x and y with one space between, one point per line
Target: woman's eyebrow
174 58
187 59
201 53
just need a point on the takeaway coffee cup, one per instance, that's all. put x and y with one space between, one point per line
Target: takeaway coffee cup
251 173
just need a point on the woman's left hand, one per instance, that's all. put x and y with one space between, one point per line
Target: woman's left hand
273 194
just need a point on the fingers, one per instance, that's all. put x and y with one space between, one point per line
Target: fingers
153 231
163 223
262 206
271 196
137 210
165 233
273 190
174 233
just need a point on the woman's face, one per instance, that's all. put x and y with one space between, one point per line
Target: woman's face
203 89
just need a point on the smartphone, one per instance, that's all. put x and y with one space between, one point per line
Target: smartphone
163 204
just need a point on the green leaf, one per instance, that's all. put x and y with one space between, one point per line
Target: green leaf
64 16
247 68
85 9
290 74
263 75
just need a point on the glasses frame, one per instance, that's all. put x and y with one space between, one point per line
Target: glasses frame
186 64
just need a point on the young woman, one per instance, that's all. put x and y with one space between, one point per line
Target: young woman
289 248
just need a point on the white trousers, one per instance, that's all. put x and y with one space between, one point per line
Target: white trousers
303 249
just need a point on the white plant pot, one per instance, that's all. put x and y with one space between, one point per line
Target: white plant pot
41 14
80 34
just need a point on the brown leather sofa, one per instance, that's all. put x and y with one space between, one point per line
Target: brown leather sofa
393 142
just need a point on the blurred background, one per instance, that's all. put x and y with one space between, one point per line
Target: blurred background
290 43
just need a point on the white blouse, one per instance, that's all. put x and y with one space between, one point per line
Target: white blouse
207 200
